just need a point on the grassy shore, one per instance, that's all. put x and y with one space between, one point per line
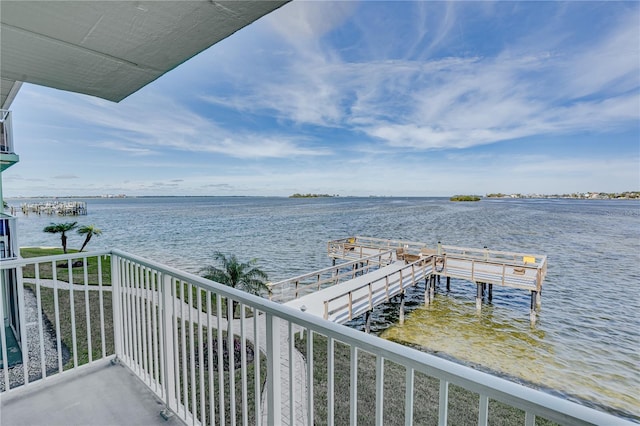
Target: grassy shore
463 404
62 267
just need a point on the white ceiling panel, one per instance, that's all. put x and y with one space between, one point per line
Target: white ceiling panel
111 49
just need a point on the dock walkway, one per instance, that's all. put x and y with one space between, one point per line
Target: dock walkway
352 298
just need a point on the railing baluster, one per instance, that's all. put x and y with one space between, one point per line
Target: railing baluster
274 394
212 400
192 354
3 344
443 407
72 308
87 308
232 363
126 316
529 418
292 398
155 306
310 377
243 367
183 350
256 362
483 410
408 397
43 365
201 364
330 382
103 337
379 390
56 309
146 323
167 340
353 394
221 385
137 318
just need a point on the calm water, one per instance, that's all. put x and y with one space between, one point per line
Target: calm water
585 344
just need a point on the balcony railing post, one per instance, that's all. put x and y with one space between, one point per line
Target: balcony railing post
116 289
168 349
274 393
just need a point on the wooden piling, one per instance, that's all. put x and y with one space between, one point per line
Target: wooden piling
448 283
432 289
479 296
401 316
490 292
367 322
532 311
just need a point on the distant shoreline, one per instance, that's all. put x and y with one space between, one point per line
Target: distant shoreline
628 195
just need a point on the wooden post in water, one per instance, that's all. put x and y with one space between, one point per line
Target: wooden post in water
401 316
427 285
448 283
479 296
532 311
432 289
367 322
538 300
490 292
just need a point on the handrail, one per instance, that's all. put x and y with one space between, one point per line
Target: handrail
334 276
420 262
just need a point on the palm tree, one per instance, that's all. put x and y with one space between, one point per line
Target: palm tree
232 272
243 276
61 228
89 231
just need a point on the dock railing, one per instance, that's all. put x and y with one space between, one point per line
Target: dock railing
365 296
352 247
513 265
293 288
166 325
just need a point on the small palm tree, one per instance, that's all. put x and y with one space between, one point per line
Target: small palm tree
89 231
232 272
243 276
61 228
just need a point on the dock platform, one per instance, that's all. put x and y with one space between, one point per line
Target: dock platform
375 270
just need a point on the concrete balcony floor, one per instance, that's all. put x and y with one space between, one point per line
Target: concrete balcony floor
104 394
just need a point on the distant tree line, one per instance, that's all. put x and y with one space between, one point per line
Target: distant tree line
465 198
296 195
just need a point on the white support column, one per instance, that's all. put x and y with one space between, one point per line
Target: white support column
116 288
168 349
274 393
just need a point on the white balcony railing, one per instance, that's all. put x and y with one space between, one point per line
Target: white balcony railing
172 329
6 134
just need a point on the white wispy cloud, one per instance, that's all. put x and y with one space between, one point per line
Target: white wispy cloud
143 125
454 102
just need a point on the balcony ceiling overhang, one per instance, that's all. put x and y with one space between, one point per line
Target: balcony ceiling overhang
110 49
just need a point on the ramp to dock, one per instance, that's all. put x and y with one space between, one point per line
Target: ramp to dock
349 299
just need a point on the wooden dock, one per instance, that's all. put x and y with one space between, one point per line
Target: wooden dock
377 270
60 208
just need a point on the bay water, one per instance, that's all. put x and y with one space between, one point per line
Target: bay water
585 345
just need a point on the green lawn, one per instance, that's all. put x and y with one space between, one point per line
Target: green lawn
46 270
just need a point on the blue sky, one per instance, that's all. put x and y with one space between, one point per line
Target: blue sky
362 98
